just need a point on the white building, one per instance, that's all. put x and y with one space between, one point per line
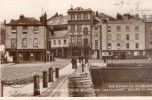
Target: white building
124 38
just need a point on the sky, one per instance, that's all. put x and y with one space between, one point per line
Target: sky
11 9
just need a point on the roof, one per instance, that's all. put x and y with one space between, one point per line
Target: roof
77 9
59 34
25 21
103 15
130 21
58 20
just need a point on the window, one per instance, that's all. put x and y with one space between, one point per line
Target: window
79 39
127 29
24 42
24 29
13 29
73 39
35 42
137 45
72 17
85 41
118 28
85 31
72 28
118 45
96 28
137 36
54 42
79 28
150 28
13 42
137 28
36 29
118 36
65 42
79 16
109 45
109 37
96 42
85 16
127 45
150 44
127 37
109 28
59 42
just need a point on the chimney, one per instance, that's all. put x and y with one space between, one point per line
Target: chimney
45 18
22 16
126 16
97 14
41 19
4 22
56 14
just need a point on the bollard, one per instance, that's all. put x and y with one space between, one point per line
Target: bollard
36 85
45 82
50 74
1 84
56 72
82 67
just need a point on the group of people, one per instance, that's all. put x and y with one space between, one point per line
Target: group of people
81 59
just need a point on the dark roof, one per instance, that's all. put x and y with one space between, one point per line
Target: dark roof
103 15
59 34
130 21
25 21
58 20
78 9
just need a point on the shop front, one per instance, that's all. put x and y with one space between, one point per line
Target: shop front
27 55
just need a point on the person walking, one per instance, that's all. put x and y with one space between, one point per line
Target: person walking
72 61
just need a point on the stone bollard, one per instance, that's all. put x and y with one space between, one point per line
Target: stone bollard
36 85
56 72
45 82
50 74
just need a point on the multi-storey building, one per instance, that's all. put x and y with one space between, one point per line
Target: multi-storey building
97 34
148 38
80 22
58 35
124 38
26 39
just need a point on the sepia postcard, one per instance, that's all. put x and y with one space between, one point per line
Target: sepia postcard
76 49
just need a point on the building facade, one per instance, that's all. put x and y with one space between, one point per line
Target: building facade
148 38
58 35
97 33
26 39
96 41
80 22
124 38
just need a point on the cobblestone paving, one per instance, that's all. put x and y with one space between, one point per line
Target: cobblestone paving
25 71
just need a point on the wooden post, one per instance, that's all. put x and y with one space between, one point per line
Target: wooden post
45 82
56 72
50 74
1 86
36 85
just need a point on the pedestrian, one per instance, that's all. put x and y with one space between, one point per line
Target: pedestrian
50 58
86 60
75 63
79 59
72 61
